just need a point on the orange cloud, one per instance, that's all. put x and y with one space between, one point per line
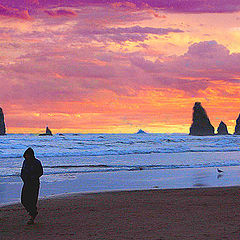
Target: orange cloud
124 5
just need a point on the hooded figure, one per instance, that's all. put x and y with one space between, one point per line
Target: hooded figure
31 171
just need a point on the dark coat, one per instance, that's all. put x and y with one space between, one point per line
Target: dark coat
31 172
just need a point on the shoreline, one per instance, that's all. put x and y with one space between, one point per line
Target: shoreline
190 213
79 194
127 180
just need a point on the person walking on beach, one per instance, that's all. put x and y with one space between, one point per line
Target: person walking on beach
31 171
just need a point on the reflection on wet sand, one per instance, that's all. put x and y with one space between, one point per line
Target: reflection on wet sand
2 190
204 178
219 175
201 179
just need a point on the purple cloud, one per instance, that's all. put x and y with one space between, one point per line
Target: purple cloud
61 12
135 29
193 6
181 6
131 34
14 13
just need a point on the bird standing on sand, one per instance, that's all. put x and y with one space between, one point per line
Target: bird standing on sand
219 170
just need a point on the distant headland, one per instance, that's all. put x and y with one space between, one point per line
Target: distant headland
140 131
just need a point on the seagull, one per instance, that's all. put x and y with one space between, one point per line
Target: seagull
219 170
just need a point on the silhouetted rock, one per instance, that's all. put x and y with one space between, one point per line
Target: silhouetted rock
222 129
2 123
48 132
201 125
140 131
237 128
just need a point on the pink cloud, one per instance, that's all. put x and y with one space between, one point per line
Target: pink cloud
80 74
35 77
207 49
202 66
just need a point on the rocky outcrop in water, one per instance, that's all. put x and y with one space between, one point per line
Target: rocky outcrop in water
140 131
237 128
222 129
2 123
201 125
48 132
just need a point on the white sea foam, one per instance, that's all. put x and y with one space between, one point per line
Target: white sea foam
84 153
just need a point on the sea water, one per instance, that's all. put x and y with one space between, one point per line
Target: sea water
80 153
116 157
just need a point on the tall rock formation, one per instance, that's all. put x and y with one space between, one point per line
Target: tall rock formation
237 128
48 132
222 129
2 123
201 125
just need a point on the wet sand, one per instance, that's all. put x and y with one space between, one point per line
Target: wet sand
201 213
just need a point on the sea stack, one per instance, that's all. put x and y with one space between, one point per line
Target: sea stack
2 123
140 131
222 129
48 132
237 128
201 125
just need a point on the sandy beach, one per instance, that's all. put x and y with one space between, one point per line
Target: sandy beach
201 213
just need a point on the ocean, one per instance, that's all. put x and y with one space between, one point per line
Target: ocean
117 157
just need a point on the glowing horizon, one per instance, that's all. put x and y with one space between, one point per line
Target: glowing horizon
118 66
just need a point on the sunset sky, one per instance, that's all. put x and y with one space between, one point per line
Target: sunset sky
118 66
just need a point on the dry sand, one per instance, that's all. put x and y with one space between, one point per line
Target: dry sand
203 213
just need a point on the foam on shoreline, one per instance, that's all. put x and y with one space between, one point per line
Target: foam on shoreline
126 180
